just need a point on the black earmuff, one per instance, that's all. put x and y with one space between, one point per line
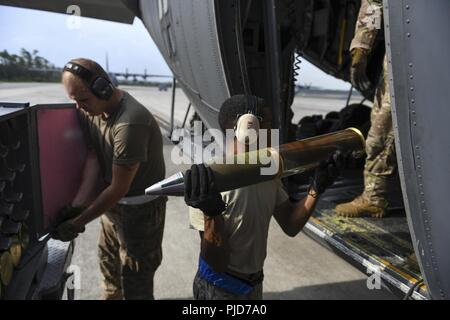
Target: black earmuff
102 88
99 86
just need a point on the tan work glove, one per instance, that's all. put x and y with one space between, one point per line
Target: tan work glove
358 70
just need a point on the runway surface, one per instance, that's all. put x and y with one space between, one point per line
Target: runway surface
295 268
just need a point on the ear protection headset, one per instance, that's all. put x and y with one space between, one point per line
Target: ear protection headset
248 124
99 86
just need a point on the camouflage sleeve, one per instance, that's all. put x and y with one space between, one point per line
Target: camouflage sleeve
370 19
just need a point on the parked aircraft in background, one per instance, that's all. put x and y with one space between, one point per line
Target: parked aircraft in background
218 48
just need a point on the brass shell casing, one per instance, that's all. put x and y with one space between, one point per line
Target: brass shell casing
24 236
262 165
16 251
288 159
6 268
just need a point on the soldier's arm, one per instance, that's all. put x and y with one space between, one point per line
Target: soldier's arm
122 178
89 188
292 217
90 181
214 243
368 25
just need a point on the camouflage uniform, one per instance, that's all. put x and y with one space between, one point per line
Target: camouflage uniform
131 236
381 163
130 249
368 25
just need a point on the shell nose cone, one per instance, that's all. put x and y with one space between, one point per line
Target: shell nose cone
172 186
154 189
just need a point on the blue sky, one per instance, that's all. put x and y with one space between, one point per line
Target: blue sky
128 46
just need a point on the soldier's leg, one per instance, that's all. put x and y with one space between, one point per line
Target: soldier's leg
141 235
381 164
108 251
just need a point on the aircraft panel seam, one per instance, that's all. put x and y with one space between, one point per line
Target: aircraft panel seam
416 150
218 55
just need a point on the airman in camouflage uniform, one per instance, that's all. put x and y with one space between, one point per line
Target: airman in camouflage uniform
381 164
125 156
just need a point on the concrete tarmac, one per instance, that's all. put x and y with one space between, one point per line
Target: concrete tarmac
295 268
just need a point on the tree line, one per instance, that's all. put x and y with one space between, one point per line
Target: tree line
29 66
26 66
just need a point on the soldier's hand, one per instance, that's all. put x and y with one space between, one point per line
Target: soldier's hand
67 231
200 191
326 173
358 70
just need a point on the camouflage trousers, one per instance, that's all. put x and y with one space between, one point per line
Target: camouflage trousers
130 249
380 172
203 290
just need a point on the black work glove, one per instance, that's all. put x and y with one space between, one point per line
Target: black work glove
200 191
69 212
66 230
326 173
358 70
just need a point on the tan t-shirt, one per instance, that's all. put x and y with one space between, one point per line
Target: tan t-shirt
247 220
128 136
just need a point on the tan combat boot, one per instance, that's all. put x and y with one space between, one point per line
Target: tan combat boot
358 207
